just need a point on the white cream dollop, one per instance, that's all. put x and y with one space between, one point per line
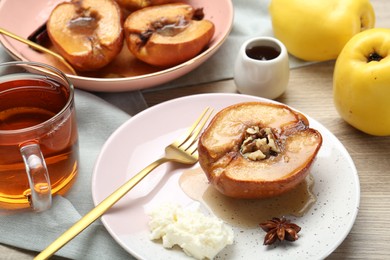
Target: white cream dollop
200 236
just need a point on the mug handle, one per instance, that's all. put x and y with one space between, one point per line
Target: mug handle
38 177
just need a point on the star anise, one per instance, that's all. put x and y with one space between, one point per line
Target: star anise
279 229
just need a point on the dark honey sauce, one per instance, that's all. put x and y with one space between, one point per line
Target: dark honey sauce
262 53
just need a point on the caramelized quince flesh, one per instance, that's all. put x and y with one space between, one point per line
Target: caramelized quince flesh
143 20
237 176
167 35
88 33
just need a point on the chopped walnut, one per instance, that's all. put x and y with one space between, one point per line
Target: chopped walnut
259 143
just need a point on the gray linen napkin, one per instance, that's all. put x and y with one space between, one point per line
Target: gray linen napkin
96 119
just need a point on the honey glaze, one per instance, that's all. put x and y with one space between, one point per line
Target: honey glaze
247 212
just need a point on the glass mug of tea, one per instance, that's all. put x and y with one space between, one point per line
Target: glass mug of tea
262 68
38 135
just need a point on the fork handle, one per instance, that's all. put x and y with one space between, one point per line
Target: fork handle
98 211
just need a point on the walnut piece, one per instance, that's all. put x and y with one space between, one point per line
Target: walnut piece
259 143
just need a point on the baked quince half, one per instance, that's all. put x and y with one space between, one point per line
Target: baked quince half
87 33
167 35
257 150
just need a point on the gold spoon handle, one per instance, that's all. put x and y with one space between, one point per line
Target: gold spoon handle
38 47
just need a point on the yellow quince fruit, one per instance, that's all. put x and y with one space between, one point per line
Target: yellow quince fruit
361 82
318 30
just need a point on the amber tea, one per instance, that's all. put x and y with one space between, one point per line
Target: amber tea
33 108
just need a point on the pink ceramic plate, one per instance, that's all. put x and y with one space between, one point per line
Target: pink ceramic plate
23 17
142 139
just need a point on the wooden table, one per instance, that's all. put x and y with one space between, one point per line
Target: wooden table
310 91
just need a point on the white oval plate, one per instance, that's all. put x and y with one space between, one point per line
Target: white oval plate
143 138
23 17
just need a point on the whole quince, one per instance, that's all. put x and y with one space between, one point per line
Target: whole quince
318 30
361 82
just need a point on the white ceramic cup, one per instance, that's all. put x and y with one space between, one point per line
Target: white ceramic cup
264 77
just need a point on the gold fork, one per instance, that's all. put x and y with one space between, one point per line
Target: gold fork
183 150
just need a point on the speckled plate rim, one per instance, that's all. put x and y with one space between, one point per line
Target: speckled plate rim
139 141
36 12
